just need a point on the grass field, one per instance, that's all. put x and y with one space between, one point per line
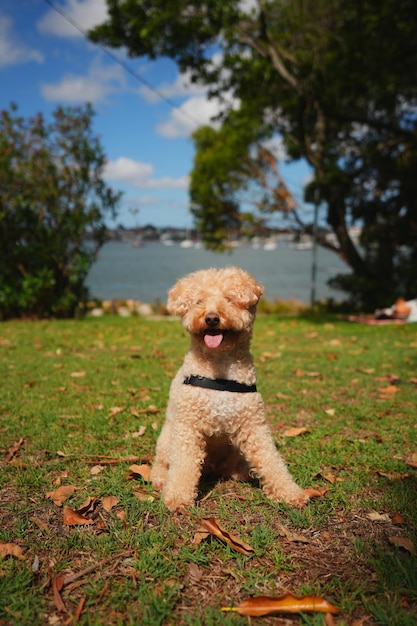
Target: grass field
83 401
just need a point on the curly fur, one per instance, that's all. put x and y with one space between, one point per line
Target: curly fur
217 431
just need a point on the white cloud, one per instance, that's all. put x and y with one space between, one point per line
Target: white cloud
84 13
181 87
100 81
12 51
140 174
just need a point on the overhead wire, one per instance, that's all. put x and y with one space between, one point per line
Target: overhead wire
122 64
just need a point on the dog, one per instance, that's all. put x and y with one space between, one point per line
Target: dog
215 420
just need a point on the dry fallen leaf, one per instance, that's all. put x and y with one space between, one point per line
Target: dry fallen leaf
73 518
108 502
214 528
295 432
140 432
11 549
398 519
77 374
374 516
403 542
14 449
316 492
265 605
292 536
115 410
392 476
61 494
143 470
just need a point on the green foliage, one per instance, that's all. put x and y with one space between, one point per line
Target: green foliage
53 202
338 82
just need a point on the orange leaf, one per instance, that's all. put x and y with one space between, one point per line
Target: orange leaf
265 605
57 584
61 494
215 529
316 492
11 549
143 470
295 432
109 502
73 518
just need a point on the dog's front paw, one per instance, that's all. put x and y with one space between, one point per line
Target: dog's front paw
175 504
158 477
293 495
301 499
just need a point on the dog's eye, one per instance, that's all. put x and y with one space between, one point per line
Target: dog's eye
199 302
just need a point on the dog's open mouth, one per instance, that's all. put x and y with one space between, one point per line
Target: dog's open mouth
213 338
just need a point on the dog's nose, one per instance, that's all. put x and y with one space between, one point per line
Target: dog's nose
212 320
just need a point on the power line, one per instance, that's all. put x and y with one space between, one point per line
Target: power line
122 64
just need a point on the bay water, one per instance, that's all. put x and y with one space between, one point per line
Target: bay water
145 273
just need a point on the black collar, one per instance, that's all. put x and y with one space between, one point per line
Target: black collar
219 384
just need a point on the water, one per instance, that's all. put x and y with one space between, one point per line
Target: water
147 272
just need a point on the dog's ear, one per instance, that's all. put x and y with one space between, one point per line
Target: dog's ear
179 298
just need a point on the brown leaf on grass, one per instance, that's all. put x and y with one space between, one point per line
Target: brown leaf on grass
108 502
374 516
282 396
388 392
143 495
265 605
214 528
88 506
331 478
96 469
14 449
79 609
70 517
412 462
398 519
395 476
199 536
61 494
295 432
195 573
291 536
11 549
115 410
77 374
316 492
403 542
57 584
140 432
143 470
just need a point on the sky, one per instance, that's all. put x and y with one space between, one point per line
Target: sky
145 111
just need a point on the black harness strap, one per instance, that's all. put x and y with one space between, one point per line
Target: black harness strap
219 384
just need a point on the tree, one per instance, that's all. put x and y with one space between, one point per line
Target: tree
337 80
53 203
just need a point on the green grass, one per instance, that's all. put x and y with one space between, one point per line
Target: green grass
76 390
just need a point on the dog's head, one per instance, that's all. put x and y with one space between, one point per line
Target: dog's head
216 305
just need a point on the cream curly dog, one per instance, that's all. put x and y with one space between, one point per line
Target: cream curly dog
215 418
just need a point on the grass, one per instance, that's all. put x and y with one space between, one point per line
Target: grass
73 392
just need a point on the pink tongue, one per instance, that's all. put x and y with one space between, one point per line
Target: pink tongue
213 341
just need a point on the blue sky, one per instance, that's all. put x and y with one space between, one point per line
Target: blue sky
45 61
